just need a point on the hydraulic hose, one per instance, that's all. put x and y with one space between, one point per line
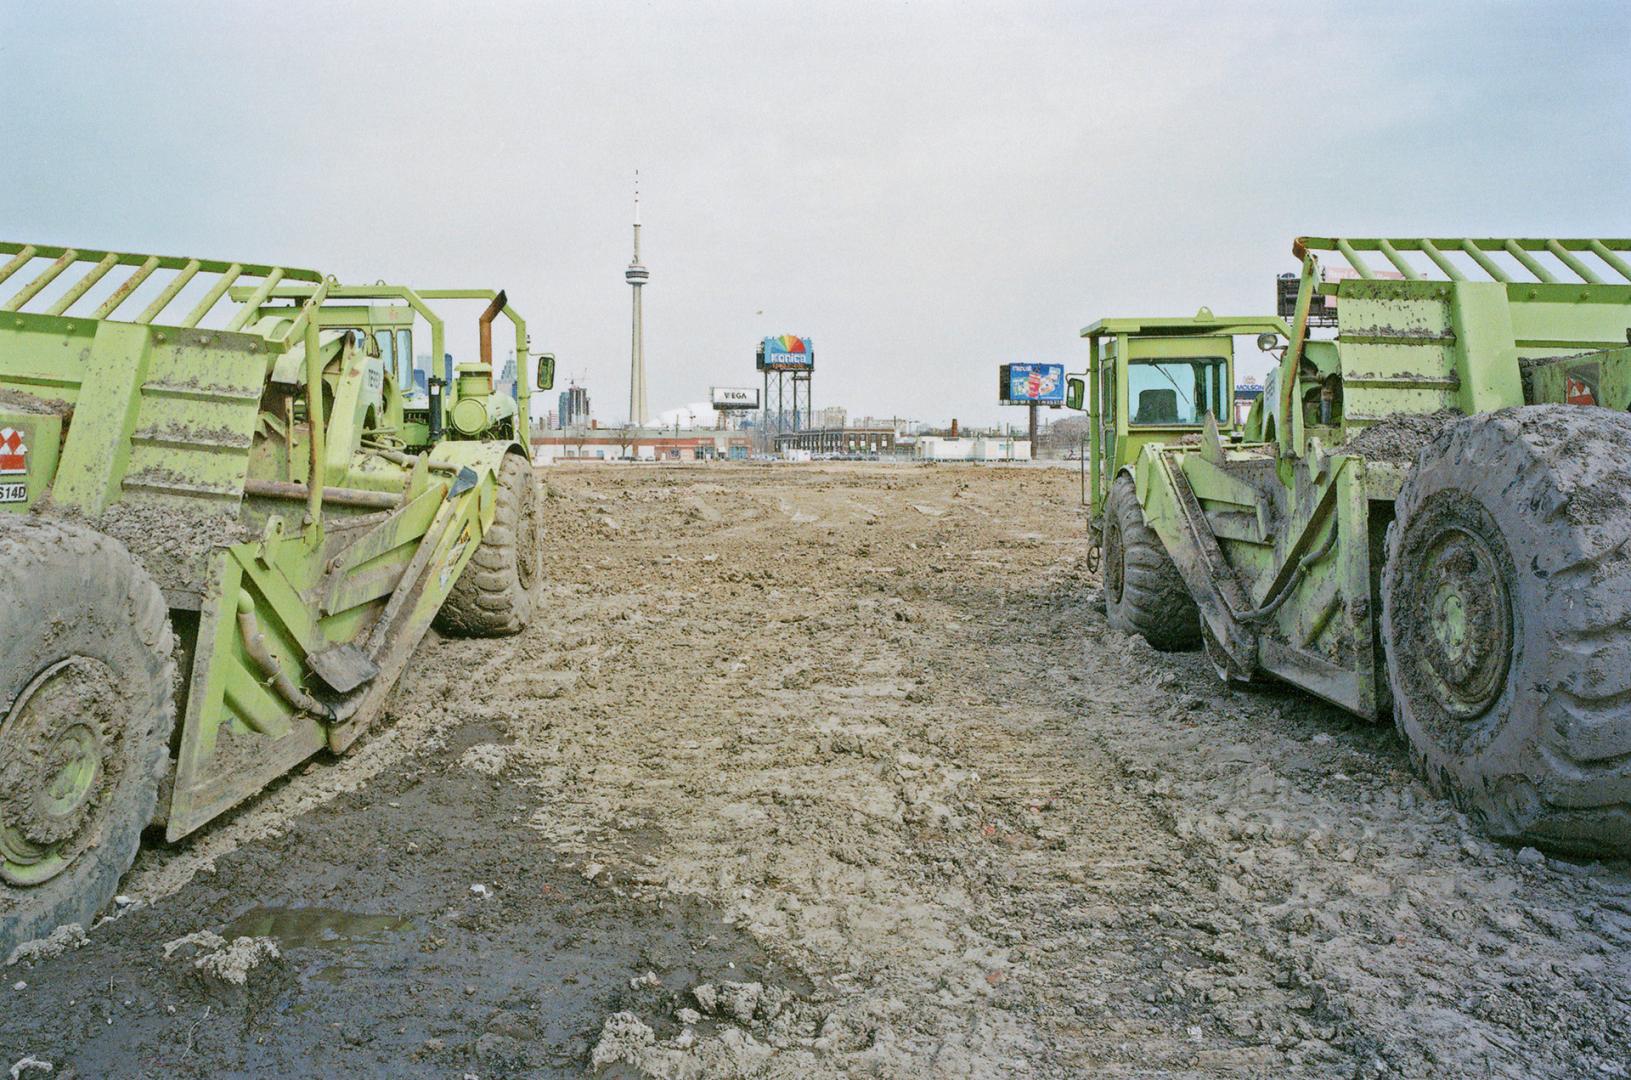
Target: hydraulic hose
1303 566
289 690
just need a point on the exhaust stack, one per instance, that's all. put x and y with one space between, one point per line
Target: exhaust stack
487 318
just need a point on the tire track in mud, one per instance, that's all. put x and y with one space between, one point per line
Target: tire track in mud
1429 951
1145 957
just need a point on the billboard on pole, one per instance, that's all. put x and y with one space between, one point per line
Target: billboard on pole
729 397
786 353
1031 384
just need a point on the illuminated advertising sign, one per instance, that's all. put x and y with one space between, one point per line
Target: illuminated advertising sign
1031 384
786 353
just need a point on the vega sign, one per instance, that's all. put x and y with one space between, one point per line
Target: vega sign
1031 384
727 397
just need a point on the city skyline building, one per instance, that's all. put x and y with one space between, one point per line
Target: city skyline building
574 406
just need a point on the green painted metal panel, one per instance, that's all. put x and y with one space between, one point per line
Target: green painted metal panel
43 357
98 444
1569 318
199 405
1487 357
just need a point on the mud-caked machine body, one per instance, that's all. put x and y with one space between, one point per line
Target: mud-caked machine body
1425 515
222 535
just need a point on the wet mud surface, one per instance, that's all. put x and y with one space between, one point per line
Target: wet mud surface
838 771
420 928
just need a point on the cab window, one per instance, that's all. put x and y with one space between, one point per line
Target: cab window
1179 391
387 348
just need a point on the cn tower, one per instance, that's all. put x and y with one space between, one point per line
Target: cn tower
637 275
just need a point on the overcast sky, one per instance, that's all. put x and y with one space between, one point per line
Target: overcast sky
927 190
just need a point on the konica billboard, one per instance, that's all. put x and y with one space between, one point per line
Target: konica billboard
786 353
1026 384
731 397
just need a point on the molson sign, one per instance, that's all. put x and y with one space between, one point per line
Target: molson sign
786 353
1023 384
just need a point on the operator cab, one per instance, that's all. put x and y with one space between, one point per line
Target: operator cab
1157 381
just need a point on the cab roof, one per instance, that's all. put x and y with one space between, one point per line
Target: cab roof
1202 322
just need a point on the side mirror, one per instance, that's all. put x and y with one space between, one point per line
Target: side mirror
1075 392
546 370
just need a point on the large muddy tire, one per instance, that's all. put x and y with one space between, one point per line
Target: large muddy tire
86 711
1143 593
498 590
1506 617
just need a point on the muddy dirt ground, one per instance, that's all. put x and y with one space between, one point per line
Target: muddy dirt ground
838 771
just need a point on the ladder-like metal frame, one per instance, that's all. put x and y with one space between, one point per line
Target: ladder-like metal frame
1478 250
185 269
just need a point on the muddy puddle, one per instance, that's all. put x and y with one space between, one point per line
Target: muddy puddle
420 928
296 927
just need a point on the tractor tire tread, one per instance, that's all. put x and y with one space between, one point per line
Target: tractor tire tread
99 602
1557 770
1154 602
495 595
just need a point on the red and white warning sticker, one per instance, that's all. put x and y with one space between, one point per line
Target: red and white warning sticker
13 453
13 462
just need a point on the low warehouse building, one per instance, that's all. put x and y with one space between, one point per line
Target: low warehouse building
983 448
